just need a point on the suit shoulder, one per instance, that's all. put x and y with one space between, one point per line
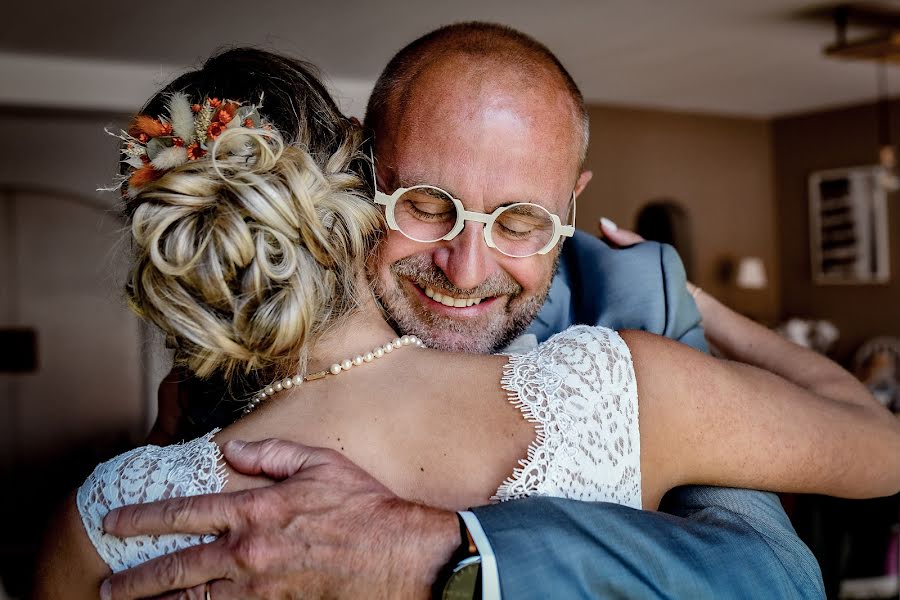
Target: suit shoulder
585 252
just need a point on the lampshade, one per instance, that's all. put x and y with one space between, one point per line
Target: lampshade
751 273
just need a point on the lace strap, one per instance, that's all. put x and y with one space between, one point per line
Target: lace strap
579 390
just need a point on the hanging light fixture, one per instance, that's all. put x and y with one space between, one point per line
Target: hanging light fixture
883 48
887 152
880 20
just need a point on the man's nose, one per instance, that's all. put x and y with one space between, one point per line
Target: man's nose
466 259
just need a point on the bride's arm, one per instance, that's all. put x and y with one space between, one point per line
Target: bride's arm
68 566
807 426
743 340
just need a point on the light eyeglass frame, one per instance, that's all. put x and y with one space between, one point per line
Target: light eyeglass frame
389 202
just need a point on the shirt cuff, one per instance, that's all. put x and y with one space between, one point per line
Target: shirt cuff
490 577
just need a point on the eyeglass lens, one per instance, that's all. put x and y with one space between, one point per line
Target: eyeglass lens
427 214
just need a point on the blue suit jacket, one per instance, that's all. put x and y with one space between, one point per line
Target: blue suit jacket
713 543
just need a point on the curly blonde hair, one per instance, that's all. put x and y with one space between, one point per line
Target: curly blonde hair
245 262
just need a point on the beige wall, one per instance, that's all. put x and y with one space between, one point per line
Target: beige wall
719 169
827 140
64 244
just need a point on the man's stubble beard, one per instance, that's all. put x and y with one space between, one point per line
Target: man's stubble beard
479 335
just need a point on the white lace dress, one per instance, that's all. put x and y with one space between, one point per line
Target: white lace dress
578 388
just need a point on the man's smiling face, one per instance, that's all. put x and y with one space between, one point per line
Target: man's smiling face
477 130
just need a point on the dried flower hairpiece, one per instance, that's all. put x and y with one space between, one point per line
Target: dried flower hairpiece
154 146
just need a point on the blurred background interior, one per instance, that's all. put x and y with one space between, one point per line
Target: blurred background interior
756 136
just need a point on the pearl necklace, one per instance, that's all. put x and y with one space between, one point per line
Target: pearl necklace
335 369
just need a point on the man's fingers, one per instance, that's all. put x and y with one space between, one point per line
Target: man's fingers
211 513
198 592
182 570
277 459
616 235
215 590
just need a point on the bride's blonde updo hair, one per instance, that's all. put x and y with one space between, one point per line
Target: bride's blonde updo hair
244 261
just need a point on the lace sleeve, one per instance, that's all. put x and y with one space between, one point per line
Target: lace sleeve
143 475
580 391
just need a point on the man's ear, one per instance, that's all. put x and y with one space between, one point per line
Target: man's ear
582 182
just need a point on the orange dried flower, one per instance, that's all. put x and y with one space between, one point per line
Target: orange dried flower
196 108
177 142
194 151
224 117
143 176
227 113
215 103
248 123
215 129
143 137
143 124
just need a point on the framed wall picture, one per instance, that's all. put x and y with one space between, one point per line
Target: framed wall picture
849 226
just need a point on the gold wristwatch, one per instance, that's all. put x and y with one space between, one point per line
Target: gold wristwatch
465 581
461 578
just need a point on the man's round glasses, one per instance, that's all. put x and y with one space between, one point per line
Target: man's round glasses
425 213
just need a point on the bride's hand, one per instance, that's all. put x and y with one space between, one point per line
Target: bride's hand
327 528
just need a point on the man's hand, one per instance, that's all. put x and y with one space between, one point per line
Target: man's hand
326 529
617 236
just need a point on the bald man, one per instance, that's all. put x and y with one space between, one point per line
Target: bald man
489 117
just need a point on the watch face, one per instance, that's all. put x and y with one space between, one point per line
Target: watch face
464 583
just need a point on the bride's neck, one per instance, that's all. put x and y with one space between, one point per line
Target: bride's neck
356 334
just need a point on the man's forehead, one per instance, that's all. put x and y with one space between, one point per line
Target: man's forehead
519 167
463 90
